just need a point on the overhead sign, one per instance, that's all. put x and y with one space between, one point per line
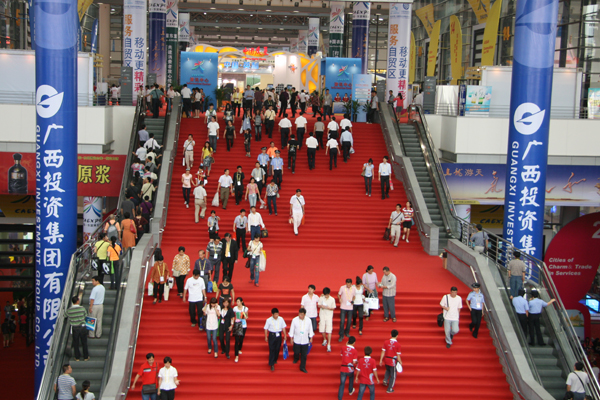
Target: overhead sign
566 185
257 52
97 174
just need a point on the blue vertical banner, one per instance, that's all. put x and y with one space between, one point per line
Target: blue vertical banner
361 12
94 40
313 36
55 36
157 64
526 164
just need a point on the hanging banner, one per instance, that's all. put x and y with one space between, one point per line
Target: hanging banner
200 70
412 65
336 29
134 43
531 89
92 215
481 9
426 16
172 41
313 36
94 40
433 49
490 35
594 103
82 7
184 27
302 42
157 41
55 36
398 49
361 13
455 49
293 45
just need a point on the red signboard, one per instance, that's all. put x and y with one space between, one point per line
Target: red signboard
97 175
257 52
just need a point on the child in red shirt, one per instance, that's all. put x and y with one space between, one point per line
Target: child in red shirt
390 354
367 367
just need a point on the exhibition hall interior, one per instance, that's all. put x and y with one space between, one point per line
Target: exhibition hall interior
412 189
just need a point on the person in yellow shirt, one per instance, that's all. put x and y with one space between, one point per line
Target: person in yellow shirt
237 102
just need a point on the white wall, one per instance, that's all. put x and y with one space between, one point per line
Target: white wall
574 141
97 126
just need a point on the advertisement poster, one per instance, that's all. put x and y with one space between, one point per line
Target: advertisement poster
361 91
134 40
566 185
97 174
313 36
594 103
398 50
184 27
200 70
338 75
303 42
477 102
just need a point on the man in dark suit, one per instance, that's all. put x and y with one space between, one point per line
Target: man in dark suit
229 256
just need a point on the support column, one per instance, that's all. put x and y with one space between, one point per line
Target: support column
55 36
104 38
526 164
361 12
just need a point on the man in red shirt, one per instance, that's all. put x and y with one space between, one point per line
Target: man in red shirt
367 367
148 374
390 354
349 359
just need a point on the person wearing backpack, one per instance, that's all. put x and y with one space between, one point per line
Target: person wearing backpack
292 147
112 227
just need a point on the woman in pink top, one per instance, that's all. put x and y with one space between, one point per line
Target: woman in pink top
252 192
186 180
369 280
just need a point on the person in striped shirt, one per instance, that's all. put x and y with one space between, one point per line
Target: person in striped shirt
76 315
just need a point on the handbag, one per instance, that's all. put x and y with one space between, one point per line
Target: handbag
209 288
246 253
215 202
365 309
132 228
215 287
238 329
440 317
105 268
362 173
151 289
176 273
149 389
262 262
264 233
248 263
387 233
286 351
373 301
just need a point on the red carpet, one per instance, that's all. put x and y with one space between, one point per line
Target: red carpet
341 237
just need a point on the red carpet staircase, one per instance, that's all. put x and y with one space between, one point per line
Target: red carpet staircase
342 235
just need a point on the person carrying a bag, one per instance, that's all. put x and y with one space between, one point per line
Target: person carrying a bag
160 275
240 326
148 374
254 250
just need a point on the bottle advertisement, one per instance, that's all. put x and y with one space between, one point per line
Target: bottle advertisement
478 101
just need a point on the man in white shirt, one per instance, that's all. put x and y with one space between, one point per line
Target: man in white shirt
270 120
309 303
385 171
301 335
196 291
345 123
347 143
284 127
300 128
451 304
200 200
151 143
297 209
374 106
224 187
274 330
327 305
141 153
213 133
97 306
576 382
419 99
255 222
188 151
311 149
170 96
114 95
327 104
302 97
186 96
332 128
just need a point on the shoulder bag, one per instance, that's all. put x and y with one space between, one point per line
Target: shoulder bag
440 317
388 231
150 389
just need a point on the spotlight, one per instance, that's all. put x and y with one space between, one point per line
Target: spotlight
296 4
241 2
324 5
269 3
212 1
379 6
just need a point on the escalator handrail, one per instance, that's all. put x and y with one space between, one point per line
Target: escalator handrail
546 283
436 172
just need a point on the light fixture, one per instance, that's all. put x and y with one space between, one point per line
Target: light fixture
324 5
269 4
379 6
204 13
296 10
212 8
240 9
241 2
261 28
280 29
268 10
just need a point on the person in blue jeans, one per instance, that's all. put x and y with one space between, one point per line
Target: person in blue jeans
271 196
148 374
516 273
254 250
212 312
366 369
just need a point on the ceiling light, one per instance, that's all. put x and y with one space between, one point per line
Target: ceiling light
261 28
240 9
296 10
280 29
204 13
324 5
269 4
241 2
212 8
296 4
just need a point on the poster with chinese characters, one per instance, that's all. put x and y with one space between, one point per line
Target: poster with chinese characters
157 63
200 70
97 174
336 29
338 75
172 42
566 185
398 49
594 103
134 40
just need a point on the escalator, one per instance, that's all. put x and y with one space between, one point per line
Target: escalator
534 372
102 351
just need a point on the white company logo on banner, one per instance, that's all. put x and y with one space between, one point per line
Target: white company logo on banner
302 42
184 27
172 14
313 35
134 43
398 49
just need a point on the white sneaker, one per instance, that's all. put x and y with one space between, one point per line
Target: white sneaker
406 240
324 343
187 206
328 348
403 237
